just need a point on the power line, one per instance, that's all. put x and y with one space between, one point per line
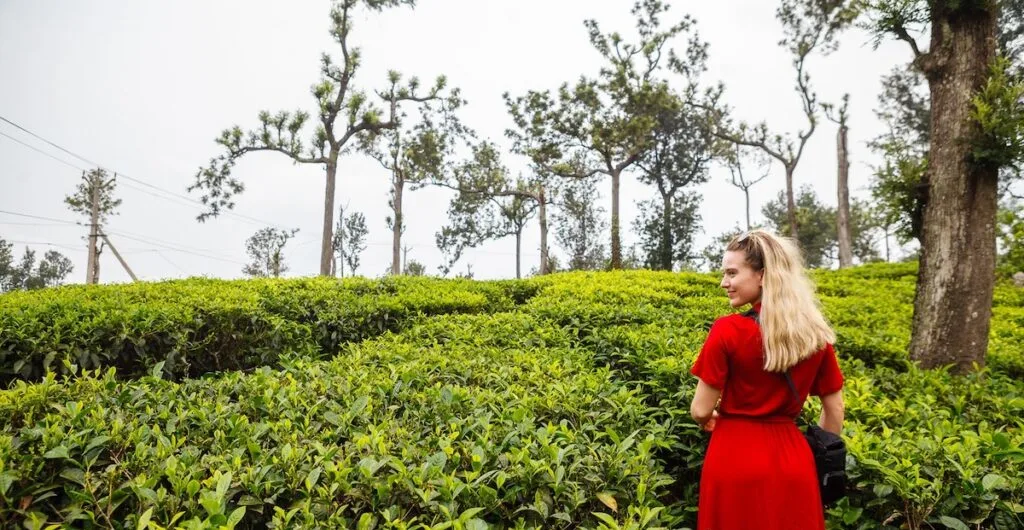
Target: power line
121 174
34 224
175 248
41 218
129 235
86 160
40 151
175 265
47 243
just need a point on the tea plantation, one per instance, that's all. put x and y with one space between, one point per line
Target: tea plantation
553 402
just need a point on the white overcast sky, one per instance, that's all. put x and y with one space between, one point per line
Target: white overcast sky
143 88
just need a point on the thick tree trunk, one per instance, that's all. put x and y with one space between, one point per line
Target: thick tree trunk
953 302
666 234
791 203
396 229
843 208
542 216
616 242
326 247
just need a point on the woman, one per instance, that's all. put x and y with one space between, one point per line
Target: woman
758 470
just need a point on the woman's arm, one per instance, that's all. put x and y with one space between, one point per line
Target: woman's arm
832 411
704 400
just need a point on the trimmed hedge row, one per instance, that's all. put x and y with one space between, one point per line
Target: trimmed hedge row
199 326
393 433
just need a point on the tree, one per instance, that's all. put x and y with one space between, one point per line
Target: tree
817 224
682 149
603 125
265 249
349 240
819 238
344 112
413 152
715 251
51 271
682 224
1011 238
490 205
579 224
741 181
839 117
975 119
94 199
414 268
807 26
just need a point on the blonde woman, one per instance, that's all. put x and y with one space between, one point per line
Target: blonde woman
758 470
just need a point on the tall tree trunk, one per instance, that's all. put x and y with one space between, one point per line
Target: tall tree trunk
843 208
326 246
616 242
666 234
791 203
542 216
746 195
341 245
519 248
396 229
953 302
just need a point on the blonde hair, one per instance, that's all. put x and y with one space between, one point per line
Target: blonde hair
792 325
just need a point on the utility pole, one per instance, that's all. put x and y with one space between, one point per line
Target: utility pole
90 269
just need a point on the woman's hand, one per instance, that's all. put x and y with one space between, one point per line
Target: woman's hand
710 425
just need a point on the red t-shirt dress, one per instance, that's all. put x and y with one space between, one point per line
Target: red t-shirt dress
758 469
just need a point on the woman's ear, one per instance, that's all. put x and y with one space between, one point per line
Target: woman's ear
760 278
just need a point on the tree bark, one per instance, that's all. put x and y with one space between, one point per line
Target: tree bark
326 246
746 195
791 203
616 242
953 302
396 229
666 234
843 208
542 216
519 247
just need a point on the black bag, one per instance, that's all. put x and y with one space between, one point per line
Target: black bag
829 450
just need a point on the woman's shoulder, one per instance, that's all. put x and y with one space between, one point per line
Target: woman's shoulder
732 321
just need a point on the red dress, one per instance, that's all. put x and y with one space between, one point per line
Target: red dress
758 470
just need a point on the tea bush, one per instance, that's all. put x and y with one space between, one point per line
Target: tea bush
553 402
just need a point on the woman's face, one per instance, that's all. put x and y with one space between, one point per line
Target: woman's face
741 283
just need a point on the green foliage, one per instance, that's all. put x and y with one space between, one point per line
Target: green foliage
265 248
555 402
94 182
1010 234
668 245
818 236
196 326
580 225
998 110
27 274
